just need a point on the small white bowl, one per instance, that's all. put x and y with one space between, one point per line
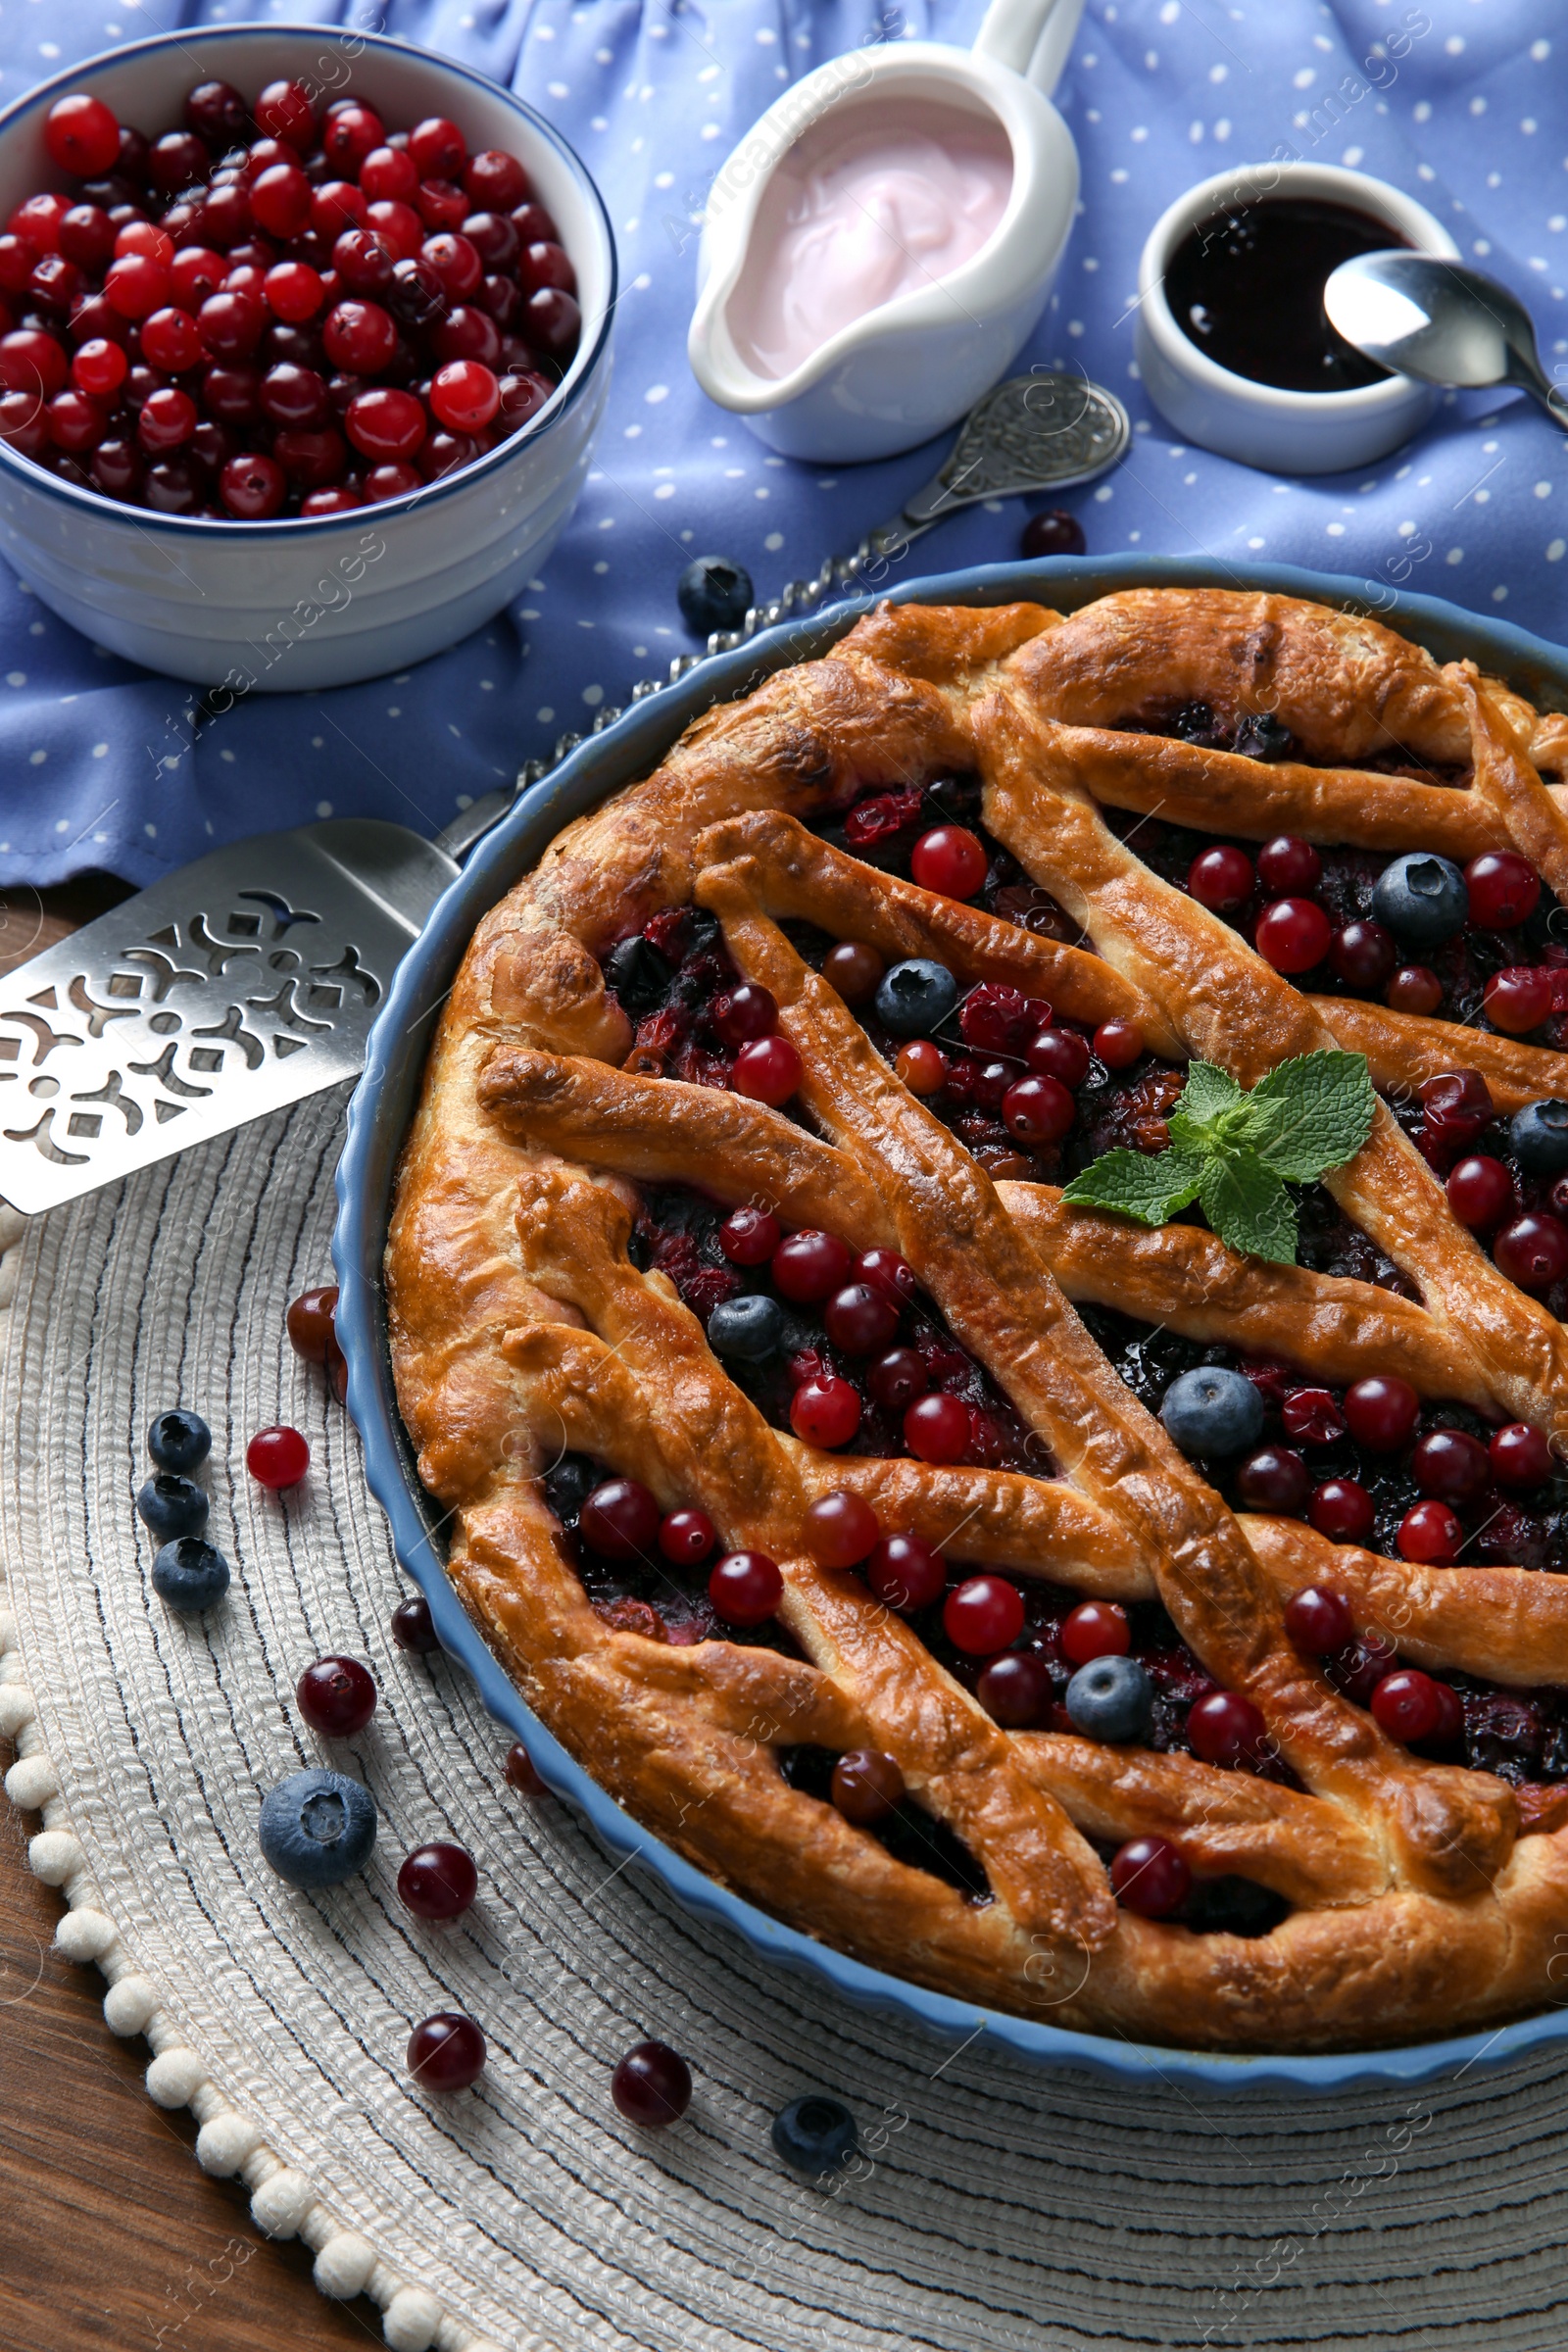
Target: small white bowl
913 366
279 607
1260 424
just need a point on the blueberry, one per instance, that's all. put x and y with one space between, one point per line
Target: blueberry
814 2135
1261 736
914 999
190 1575
1214 1411
713 594
169 1506
1538 1135
750 1330
317 1827
1422 898
1112 1698
639 976
179 1440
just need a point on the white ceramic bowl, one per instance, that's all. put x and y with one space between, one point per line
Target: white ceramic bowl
1283 433
289 604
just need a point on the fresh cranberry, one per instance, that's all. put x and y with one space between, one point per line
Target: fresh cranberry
898 1378
293 291
1150 1876
1274 1478
1480 1192
83 135
687 1538
278 1458
1415 988
891 1276
335 206
310 1322
390 174
521 1773
1225 1728
169 340
1520 1457
349 136
337 1696
1518 997
652 2085
456 263
809 1265
922 1066
57 284
360 336
492 237
496 180
768 1070
32 362
1058 1053
232 394
1293 934
296 396
1287 866
437 148
1450 1465
167 418
1118 1044
16 265
950 860
853 970
1504 890
1016 1690
983 1615
745 1587
441 204
749 1237
1358 1670
22 423
826 1411
906 1573
1406 1705
281 200
1342 1510
87 236
414 1629
341 500
230 324
841 1530
544 266
1038 1111
1221 879
283 111
936 1428
75 420
468 333
381 423
1318 1621
860 1320
446 2052
742 1013
620 1519
437 1882
364 262
218 115
994 1018
867 1786
399 229
1532 1252
37 223
1363 956
1094 1629
117 465
1430 1534
1311 1417
175 161
312 457
1382 1412
395 477
1455 1106
442 454
1450 1715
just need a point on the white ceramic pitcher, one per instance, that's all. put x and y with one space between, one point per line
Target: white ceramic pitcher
912 366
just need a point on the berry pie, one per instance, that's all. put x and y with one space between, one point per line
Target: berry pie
979 1277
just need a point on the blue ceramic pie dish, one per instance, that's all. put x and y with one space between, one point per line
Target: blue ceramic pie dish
378 1118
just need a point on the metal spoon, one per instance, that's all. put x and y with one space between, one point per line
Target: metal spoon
1441 323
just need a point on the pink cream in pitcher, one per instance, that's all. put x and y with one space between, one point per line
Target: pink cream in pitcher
858 213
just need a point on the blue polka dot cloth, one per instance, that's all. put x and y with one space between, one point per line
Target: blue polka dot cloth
1464 103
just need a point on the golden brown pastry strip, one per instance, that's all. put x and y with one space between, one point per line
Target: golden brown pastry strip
1402 1050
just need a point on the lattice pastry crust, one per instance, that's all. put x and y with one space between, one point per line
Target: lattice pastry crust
521 1324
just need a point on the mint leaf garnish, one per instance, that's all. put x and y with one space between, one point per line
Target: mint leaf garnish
1236 1151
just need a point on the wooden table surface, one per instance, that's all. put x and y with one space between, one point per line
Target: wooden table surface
112 2237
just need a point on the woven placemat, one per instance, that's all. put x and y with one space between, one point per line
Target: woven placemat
1001 2206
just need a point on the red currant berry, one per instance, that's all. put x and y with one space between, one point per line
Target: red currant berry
1382 1412
897 1379
841 1530
922 1066
745 1587
936 1428
749 1237
412 1627
1150 1876
1016 1690
809 1265
1415 988
437 1882
687 1538
852 969
1430 1534
1094 1629
1363 956
337 1696
1532 1252
1318 1621
652 2085
1520 1457
1038 1111
1058 1053
1221 879
1518 997
620 1519
382 423
521 1773
1480 1192
1225 1728
825 1412
1342 1510
310 1323
82 137
1118 1044
860 1320
983 1615
742 1013
1405 1704
768 1070
906 1574
1274 1478
950 860
1452 1465
1289 868
278 1458
283 111
1504 890
446 2052
1293 934
867 1786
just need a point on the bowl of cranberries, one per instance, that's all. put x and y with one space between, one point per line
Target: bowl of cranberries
304 340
